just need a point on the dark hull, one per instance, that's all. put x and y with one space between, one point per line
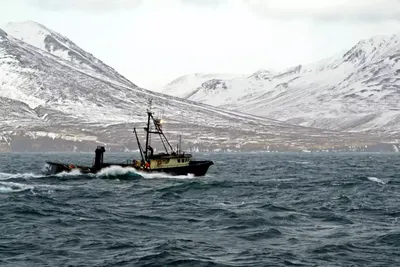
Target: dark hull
197 168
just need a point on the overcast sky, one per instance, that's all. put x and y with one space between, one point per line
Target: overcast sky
152 42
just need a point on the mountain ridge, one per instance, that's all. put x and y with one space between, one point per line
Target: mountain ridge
39 36
350 92
54 103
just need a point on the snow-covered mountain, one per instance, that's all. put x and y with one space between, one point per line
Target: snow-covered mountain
357 91
50 41
55 96
179 87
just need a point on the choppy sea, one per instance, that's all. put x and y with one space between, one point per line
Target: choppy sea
269 209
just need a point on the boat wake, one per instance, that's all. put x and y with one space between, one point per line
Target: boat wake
119 172
20 182
116 171
13 184
10 187
112 172
7 176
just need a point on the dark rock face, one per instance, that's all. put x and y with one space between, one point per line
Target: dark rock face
214 84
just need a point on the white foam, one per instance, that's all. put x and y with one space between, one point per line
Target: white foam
74 172
377 180
111 171
115 170
118 170
6 176
159 175
10 187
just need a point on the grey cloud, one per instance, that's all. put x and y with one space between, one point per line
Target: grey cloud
206 3
112 5
86 5
320 10
354 10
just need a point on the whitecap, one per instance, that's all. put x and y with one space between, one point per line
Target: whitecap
377 180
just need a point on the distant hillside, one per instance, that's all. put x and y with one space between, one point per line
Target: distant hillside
55 96
356 91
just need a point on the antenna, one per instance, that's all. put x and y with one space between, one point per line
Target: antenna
180 144
150 102
162 110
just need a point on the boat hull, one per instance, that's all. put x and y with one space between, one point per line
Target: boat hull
196 168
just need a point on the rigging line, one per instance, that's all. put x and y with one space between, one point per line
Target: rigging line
159 133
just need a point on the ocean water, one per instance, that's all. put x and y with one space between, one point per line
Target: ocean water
270 209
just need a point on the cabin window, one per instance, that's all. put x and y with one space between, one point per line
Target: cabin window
179 160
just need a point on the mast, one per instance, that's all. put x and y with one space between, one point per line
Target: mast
180 144
139 145
148 128
158 130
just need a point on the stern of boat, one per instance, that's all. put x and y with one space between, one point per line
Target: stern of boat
54 168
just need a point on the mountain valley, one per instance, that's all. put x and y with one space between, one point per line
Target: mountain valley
54 96
357 91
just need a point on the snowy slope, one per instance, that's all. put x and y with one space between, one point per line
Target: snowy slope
39 36
49 102
187 85
355 91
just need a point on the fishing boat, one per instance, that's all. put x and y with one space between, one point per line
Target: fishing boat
172 161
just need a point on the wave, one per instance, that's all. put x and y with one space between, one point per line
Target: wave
120 172
376 180
112 172
13 187
9 187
